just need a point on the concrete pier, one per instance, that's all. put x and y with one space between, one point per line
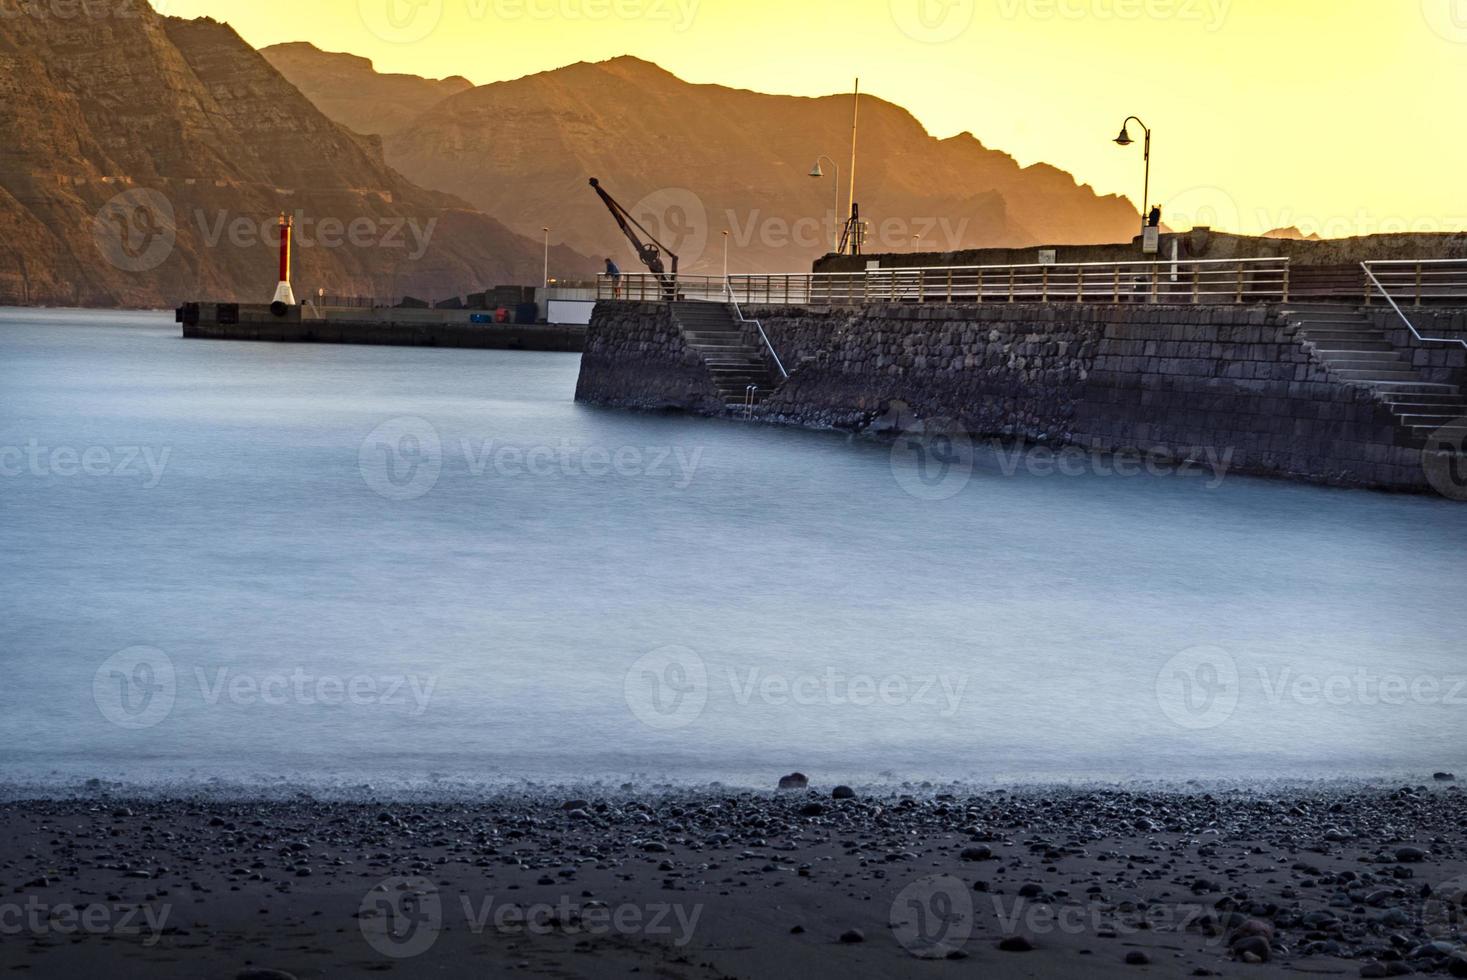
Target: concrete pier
392 327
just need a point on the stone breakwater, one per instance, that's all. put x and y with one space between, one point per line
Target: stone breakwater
1177 382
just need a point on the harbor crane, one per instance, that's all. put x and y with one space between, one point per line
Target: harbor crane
651 251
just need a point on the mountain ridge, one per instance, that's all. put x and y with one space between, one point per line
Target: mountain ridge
148 158
695 159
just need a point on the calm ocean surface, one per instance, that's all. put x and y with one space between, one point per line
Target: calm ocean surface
269 565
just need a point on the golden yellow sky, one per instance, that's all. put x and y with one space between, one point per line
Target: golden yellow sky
1340 116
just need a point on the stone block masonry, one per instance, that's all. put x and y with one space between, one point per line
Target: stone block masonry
636 357
1188 382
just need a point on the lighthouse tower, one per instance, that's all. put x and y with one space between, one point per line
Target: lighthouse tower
284 295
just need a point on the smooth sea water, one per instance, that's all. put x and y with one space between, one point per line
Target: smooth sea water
260 565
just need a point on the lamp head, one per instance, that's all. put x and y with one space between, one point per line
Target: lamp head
1125 138
815 171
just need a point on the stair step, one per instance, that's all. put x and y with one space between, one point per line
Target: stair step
1454 433
1347 329
1335 347
1344 336
1452 399
1391 363
1415 387
1372 377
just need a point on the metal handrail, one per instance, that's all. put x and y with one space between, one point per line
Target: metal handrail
1401 313
1184 282
765 337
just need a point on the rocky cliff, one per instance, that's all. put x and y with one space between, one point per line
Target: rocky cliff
695 160
350 91
144 161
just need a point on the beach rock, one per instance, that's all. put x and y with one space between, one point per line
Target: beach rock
812 809
979 853
1252 946
851 936
1443 777
1410 855
1016 944
1373 970
795 780
842 793
1457 964
1137 958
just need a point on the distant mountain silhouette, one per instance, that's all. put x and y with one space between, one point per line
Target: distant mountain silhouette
1292 233
350 91
695 160
145 159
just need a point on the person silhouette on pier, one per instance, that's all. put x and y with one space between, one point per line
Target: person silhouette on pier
615 274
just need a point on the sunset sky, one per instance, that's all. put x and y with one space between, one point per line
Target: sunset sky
1339 116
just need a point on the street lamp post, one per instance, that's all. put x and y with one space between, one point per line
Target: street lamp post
547 257
725 257
1125 140
815 171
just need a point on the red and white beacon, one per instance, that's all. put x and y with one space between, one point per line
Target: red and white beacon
284 295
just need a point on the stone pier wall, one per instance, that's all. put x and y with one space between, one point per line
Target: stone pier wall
1184 382
635 357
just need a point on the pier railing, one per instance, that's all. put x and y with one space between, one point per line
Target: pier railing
1417 282
1198 281
1442 285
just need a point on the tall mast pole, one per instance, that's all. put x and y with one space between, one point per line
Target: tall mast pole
855 122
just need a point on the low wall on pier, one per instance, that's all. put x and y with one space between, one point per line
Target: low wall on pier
1183 382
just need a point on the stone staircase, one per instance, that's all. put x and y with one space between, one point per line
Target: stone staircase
738 368
1357 351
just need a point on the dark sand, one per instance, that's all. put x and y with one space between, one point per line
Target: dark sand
729 884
